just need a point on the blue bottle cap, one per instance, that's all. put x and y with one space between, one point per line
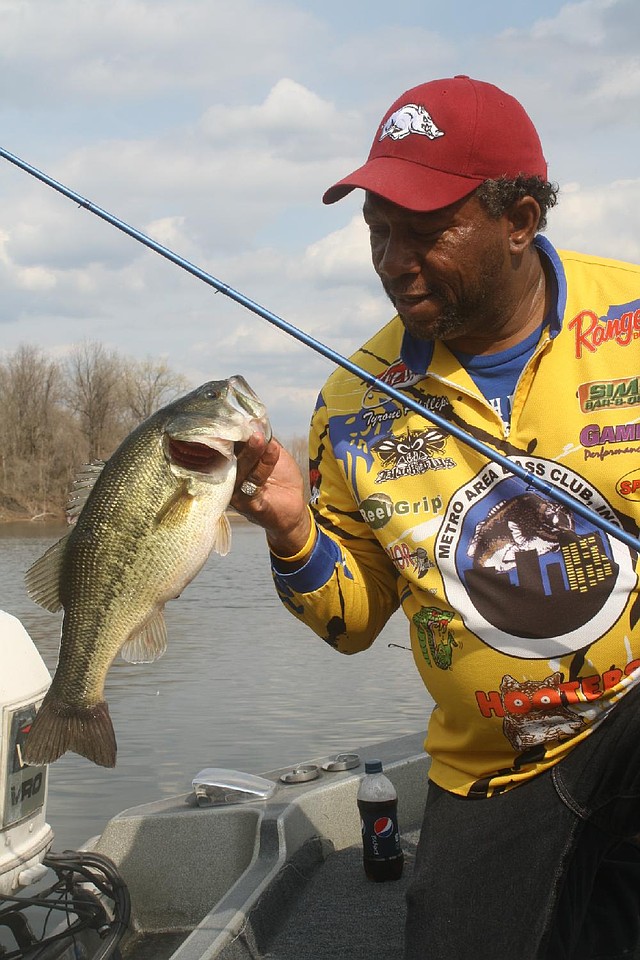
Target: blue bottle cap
373 766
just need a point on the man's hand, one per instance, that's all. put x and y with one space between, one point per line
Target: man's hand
278 505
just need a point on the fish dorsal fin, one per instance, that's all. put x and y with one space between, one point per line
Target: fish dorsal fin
83 484
42 579
147 644
222 538
495 509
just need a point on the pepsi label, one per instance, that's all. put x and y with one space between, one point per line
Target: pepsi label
380 835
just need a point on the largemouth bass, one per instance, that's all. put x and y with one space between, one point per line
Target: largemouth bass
146 521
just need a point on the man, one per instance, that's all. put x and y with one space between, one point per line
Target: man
522 613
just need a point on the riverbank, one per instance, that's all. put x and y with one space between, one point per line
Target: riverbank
44 521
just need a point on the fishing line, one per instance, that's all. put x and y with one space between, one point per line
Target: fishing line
531 480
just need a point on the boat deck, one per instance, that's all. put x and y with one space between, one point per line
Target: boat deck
340 913
336 913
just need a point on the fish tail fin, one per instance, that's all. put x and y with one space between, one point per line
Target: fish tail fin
59 727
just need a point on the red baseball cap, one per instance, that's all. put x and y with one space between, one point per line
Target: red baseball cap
441 140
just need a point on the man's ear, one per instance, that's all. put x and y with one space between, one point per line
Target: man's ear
523 217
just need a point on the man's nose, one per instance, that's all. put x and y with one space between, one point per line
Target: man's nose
396 257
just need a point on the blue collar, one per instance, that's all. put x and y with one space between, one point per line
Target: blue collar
417 354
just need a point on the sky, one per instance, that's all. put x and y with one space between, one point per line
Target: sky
215 128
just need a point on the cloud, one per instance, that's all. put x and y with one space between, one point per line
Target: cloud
576 24
111 50
343 256
583 73
597 220
292 123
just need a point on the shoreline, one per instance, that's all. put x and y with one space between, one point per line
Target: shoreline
53 520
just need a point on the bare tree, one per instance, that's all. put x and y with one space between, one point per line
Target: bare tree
29 388
94 395
32 433
148 385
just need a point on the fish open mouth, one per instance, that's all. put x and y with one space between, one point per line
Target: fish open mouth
199 457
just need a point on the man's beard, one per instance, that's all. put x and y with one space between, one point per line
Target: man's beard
452 322
454 319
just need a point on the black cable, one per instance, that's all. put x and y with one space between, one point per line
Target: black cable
73 869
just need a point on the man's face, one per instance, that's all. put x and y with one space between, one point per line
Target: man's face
447 272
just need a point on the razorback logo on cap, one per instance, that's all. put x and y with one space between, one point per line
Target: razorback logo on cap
411 118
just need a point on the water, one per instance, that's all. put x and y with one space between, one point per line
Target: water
242 685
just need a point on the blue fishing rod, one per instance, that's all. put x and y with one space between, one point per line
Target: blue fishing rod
531 480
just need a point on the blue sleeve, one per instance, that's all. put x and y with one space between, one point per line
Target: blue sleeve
316 571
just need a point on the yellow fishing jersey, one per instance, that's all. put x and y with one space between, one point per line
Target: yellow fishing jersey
522 613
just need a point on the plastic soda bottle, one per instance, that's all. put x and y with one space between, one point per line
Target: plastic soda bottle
382 854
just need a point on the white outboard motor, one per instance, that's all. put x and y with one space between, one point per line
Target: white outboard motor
25 836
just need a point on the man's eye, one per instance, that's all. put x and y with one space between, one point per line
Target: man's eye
427 235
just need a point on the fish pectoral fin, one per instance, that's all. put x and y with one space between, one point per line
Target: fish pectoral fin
222 537
42 579
178 507
147 644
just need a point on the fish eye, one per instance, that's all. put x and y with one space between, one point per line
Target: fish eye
211 393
